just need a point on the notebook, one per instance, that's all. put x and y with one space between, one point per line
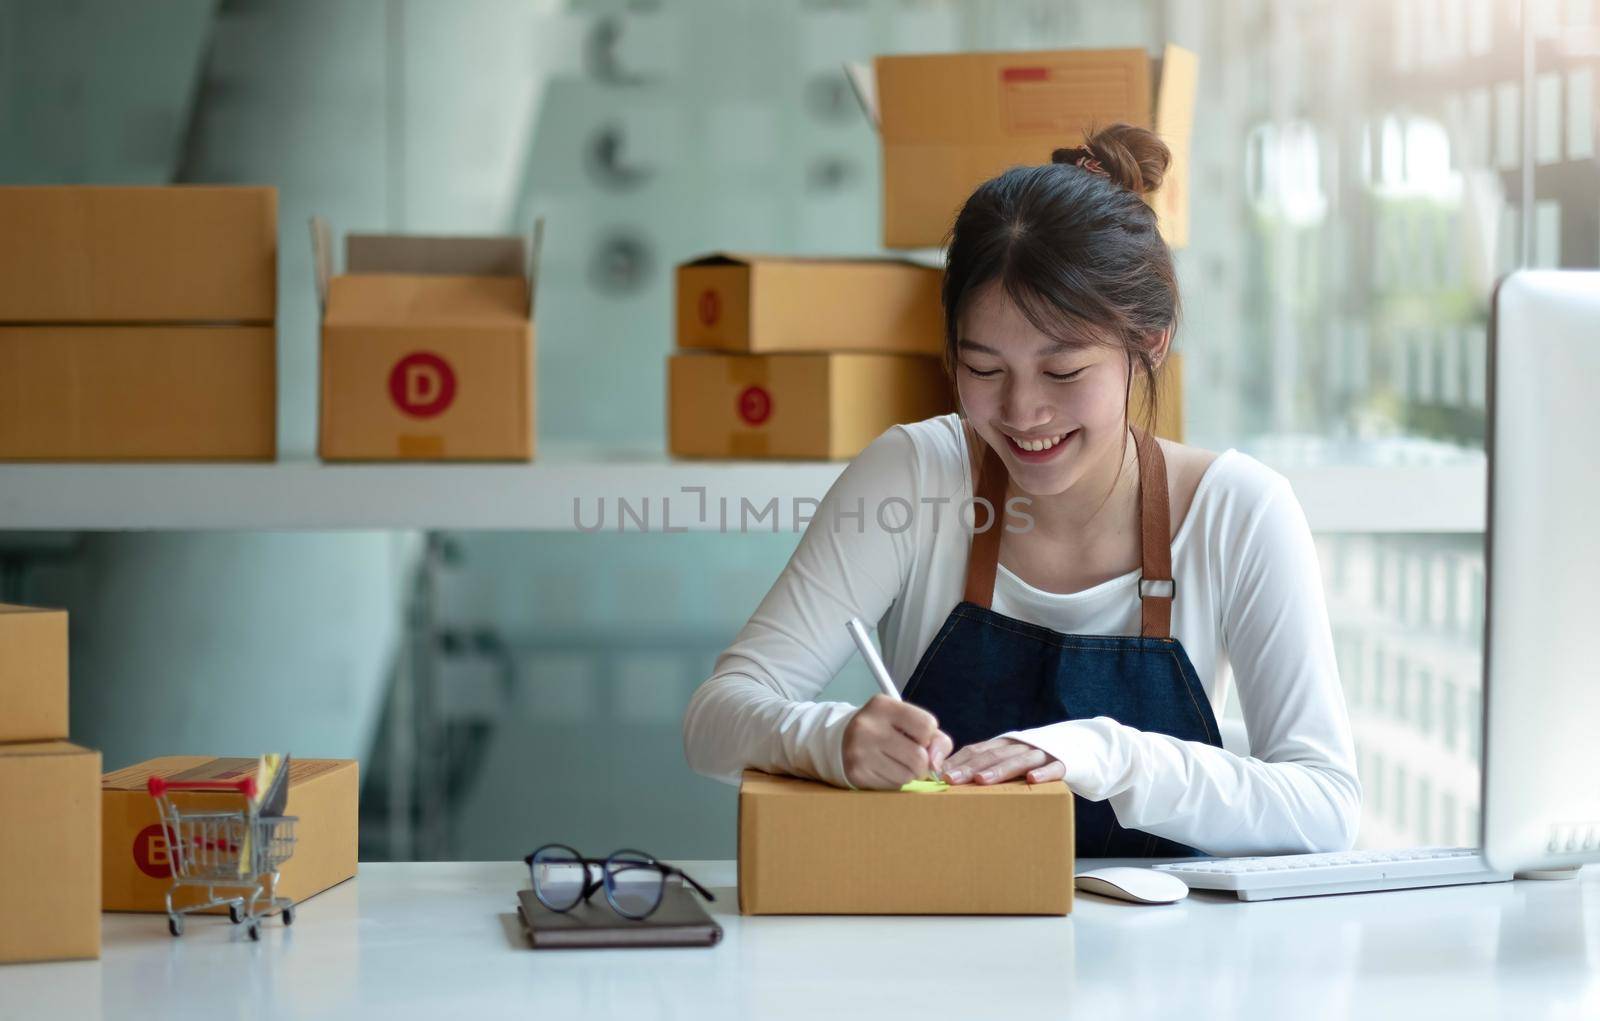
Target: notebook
680 921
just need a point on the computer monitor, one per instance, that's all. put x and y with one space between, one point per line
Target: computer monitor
1541 657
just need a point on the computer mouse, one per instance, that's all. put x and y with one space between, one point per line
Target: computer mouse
1141 886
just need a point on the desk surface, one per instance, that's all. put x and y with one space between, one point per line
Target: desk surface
442 940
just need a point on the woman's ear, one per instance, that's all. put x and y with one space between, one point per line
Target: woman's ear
1160 344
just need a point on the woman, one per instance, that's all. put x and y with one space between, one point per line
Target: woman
1069 597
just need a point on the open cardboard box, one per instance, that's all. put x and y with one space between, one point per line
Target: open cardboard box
427 347
809 848
323 797
950 121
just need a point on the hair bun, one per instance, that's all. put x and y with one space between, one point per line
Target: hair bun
1133 157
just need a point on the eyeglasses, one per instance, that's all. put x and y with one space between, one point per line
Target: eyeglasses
633 881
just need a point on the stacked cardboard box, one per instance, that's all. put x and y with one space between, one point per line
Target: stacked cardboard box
800 357
427 347
138 323
49 799
948 122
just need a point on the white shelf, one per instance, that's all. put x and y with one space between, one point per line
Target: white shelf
309 496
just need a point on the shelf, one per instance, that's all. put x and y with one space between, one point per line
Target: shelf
310 496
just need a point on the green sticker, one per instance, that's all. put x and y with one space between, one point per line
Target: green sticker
925 786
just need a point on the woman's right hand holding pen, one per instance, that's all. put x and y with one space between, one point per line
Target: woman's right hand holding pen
888 743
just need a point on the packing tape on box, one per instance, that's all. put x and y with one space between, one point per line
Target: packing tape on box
419 446
749 444
748 369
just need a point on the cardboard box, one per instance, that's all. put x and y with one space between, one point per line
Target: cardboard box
427 348
33 674
188 253
808 848
949 122
796 405
137 323
764 303
323 795
148 393
49 852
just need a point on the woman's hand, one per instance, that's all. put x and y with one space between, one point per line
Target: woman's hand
1002 759
888 743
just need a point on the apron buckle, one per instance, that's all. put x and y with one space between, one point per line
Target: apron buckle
1148 587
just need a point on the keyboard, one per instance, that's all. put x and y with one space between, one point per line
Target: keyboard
1312 875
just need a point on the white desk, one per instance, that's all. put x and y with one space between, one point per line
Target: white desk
442 941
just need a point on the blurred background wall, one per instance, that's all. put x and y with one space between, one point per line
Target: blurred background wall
1362 172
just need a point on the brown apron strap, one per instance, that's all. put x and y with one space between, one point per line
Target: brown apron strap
1156 587
984 556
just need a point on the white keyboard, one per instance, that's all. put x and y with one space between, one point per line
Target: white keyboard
1310 875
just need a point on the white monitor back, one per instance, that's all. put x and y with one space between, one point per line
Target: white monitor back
1541 768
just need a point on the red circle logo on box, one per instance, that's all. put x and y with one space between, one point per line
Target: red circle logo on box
755 405
150 853
422 384
710 307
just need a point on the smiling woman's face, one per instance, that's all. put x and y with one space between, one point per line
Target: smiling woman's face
1018 383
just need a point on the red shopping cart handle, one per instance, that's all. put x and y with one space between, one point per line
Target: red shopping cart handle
244 785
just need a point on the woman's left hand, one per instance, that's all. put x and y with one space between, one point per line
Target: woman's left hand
1002 759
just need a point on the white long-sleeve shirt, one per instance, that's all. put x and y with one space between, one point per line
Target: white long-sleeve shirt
888 543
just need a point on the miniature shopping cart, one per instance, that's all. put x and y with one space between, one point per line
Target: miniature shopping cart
241 850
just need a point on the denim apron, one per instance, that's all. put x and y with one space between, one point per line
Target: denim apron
985 674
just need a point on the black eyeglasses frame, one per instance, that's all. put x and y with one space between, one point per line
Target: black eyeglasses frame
607 879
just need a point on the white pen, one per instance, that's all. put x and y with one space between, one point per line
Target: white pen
880 673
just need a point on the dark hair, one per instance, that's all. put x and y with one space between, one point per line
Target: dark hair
1076 247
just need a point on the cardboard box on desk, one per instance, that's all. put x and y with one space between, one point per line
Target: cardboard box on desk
33 674
821 406
427 348
138 323
949 122
808 848
323 796
49 852
765 303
